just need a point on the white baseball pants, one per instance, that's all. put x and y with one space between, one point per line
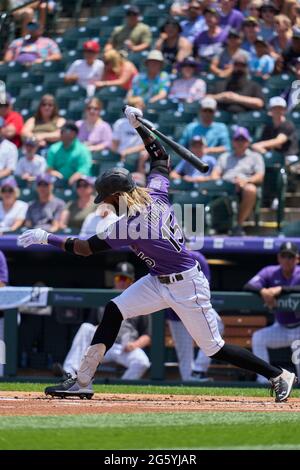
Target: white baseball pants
184 346
189 298
1 339
274 337
136 361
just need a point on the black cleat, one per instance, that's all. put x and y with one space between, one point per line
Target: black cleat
282 385
70 388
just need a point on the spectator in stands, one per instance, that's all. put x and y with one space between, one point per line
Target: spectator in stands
31 164
188 88
69 159
209 42
292 11
12 210
244 168
134 35
118 71
254 9
3 283
237 93
97 221
76 211
280 134
13 121
87 71
133 337
24 15
291 93
8 154
268 12
283 34
194 23
45 125
215 133
153 84
95 133
230 16
262 63
292 52
271 282
126 141
47 210
222 64
33 48
190 369
251 31
173 46
178 8
186 171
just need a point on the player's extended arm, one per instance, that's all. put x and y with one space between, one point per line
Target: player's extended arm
158 154
71 245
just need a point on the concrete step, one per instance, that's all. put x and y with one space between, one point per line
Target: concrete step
292 199
290 214
261 230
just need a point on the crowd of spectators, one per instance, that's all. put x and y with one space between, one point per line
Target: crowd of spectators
241 44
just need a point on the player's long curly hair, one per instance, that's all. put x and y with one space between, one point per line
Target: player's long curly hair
137 200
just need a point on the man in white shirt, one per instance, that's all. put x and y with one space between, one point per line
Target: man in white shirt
31 164
88 70
8 154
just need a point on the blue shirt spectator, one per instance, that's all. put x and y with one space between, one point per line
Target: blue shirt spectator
195 22
262 63
215 133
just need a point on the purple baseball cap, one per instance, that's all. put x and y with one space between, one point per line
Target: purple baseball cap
45 178
9 181
88 179
241 133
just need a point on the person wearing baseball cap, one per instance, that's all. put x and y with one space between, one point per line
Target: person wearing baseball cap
230 17
281 134
292 52
46 211
215 134
13 121
221 65
186 171
209 42
173 46
194 22
245 169
133 35
188 87
12 210
31 164
33 47
261 64
250 31
87 71
238 94
270 283
69 158
79 209
268 11
153 84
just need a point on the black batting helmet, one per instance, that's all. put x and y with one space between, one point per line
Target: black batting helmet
115 180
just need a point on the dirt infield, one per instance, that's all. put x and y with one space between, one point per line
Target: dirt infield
29 403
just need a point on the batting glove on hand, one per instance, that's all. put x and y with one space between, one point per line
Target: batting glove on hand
131 113
33 237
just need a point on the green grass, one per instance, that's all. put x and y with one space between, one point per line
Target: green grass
154 431
148 389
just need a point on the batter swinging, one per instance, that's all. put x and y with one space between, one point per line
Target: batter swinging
149 227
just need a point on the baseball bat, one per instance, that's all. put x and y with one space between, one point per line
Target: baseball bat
179 149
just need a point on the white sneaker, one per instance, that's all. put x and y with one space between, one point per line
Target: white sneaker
282 385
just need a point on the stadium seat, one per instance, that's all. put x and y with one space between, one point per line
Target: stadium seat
254 121
106 156
277 84
52 81
65 194
27 194
223 116
15 82
291 230
66 94
211 81
180 185
75 110
110 93
274 184
137 58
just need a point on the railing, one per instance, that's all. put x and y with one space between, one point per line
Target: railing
243 302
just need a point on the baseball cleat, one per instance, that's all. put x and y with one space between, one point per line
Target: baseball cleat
70 388
282 385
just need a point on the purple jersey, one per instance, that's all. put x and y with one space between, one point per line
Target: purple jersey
271 276
154 235
170 314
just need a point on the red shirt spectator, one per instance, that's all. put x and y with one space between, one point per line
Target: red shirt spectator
13 122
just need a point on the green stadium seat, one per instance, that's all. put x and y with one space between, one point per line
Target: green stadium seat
70 56
223 116
138 58
217 187
66 194
27 194
274 184
75 110
163 105
279 83
211 81
180 185
66 94
131 162
254 121
15 82
52 81
106 156
110 93
291 230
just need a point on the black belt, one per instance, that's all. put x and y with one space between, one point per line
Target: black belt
294 325
169 279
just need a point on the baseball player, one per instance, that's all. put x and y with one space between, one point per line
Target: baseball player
190 369
270 282
147 225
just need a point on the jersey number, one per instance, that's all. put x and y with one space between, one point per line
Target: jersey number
171 231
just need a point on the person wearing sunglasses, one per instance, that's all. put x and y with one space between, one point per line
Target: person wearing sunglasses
31 164
93 131
270 283
79 209
128 350
12 210
8 153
